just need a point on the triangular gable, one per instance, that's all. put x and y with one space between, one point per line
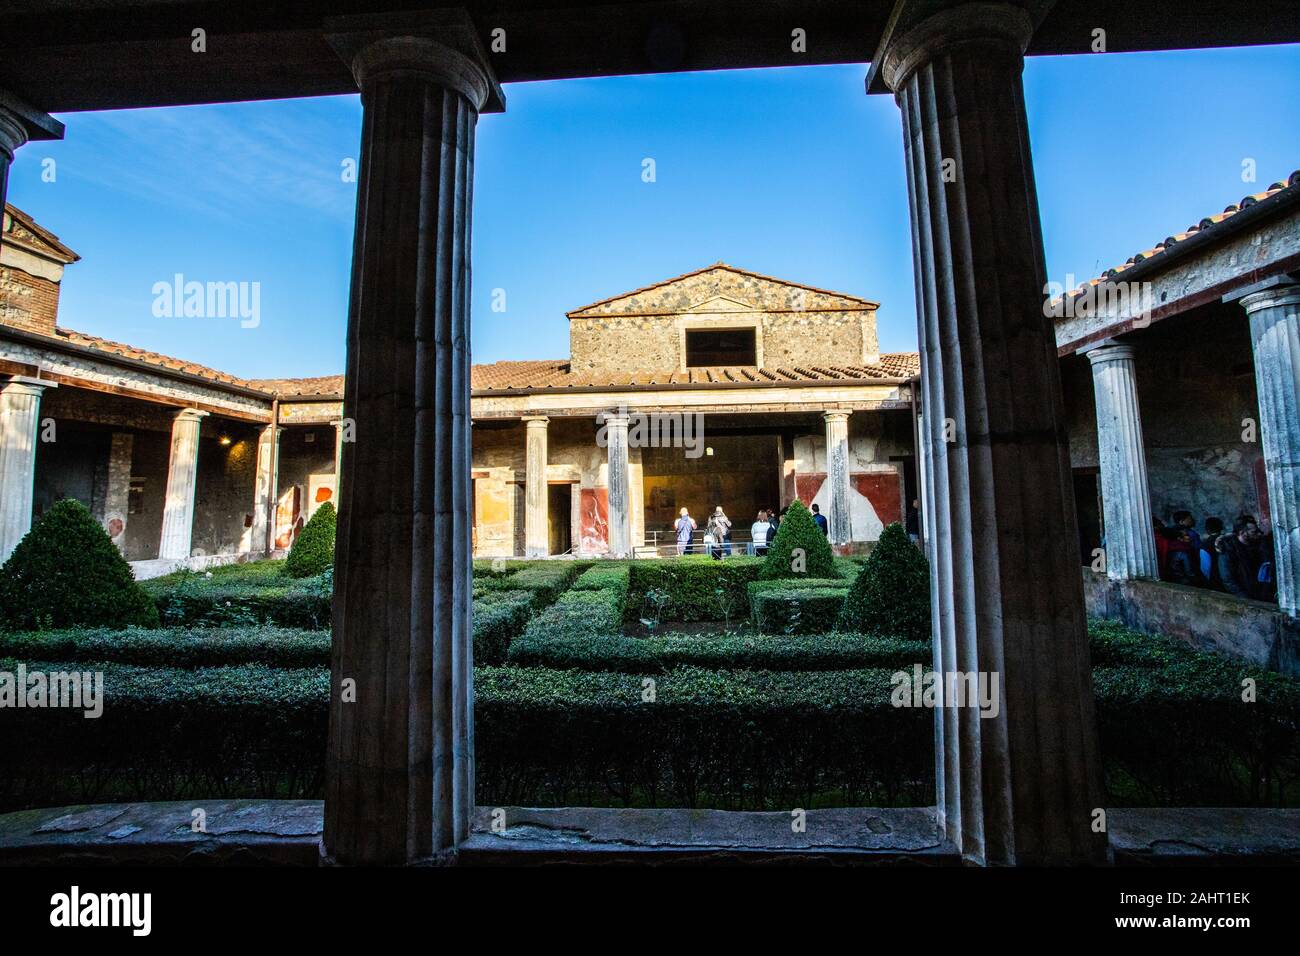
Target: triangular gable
22 230
750 291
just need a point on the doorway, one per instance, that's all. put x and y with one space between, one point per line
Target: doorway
559 518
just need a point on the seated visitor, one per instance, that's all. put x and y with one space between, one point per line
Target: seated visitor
1238 562
1209 555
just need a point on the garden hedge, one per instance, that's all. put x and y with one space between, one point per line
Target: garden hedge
313 550
67 572
660 653
499 616
242 595
755 588
892 594
546 580
798 530
578 614
174 647
798 611
694 588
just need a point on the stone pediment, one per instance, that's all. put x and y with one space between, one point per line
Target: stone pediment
722 288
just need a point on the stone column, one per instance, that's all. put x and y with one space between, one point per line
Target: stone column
536 534
340 430
1018 786
1126 499
399 764
620 493
1275 333
182 479
19 124
839 519
20 422
265 490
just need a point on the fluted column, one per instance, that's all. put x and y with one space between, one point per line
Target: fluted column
1021 786
1125 496
20 420
620 493
1275 333
182 480
340 432
265 490
399 765
839 524
536 533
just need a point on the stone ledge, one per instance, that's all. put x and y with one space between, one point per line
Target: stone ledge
287 833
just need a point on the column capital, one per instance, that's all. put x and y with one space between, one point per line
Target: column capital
22 385
1110 351
190 415
616 419
441 46
836 415
913 41
21 123
1282 294
535 421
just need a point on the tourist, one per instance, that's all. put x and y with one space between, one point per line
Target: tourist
1238 568
1190 565
719 528
774 520
821 520
684 526
759 532
1209 555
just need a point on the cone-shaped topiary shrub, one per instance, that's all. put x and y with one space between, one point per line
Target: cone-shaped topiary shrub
313 551
798 530
891 597
66 572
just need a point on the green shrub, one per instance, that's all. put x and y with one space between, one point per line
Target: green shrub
605 577
224 597
654 655
545 580
804 611
67 572
798 530
174 647
693 588
755 588
892 594
578 614
1112 644
313 549
499 616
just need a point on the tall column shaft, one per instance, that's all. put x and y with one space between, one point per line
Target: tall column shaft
1019 786
182 480
1125 495
1275 333
117 500
620 492
399 766
536 532
839 524
20 420
265 490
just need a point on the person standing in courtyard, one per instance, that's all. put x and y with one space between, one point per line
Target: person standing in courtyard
684 526
821 520
760 532
720 528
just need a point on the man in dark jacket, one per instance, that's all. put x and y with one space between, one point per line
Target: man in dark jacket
1238 568
821 520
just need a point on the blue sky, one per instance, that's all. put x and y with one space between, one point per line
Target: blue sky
791 172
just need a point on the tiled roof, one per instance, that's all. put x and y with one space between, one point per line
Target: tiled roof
722 265
556 374
1208 223
150 358
281 387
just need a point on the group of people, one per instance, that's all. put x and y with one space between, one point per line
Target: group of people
1239 561
717 530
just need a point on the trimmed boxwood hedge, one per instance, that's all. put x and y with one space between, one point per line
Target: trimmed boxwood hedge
547 580
242 595
799 530
578 614
66 572
660 653
755 588
313 550
798 611
174 647
892 594
499 616
697 587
